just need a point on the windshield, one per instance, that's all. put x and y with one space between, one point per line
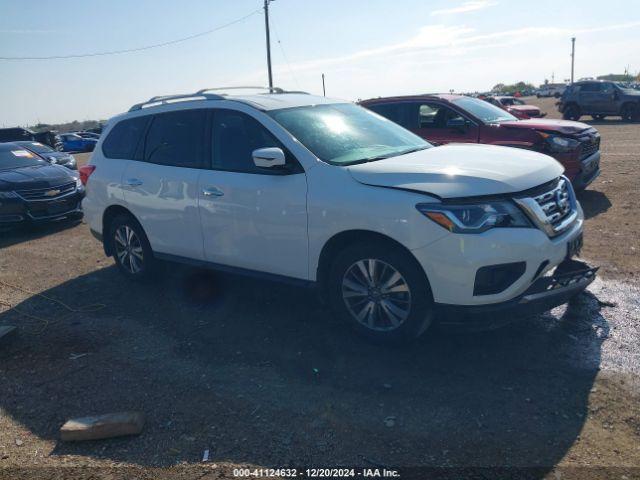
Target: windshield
36 147
346 134
12 156
483 110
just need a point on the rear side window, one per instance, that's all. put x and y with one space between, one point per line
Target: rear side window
393 111
177 139
123 139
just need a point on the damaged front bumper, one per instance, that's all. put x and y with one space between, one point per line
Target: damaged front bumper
568 279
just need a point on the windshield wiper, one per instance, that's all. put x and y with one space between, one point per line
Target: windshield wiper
411 150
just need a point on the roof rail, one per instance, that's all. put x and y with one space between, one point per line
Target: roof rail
202 94
268 89
162 99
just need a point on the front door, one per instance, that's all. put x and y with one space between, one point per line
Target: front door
252 218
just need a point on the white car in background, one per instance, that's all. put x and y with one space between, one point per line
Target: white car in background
551 90
396 234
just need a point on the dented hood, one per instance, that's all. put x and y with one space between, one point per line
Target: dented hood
461 170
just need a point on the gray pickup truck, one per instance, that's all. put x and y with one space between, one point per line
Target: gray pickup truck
599 99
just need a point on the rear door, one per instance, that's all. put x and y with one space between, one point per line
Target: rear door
588 97
161 189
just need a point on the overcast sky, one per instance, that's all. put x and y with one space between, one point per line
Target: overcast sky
365 48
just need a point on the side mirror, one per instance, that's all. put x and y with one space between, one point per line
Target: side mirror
269 157
457 123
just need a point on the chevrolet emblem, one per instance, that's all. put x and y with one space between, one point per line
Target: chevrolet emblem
52 193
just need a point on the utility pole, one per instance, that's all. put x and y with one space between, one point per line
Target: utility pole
324 92
266 25
573 55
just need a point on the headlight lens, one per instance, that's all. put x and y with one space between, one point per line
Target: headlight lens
5 195
559 144
475 217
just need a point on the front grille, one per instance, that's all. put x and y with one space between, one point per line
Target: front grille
49 193
589 147
556 203
553 209
42 210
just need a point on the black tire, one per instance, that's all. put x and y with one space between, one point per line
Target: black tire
416 302
138 262
629 112
598 117
571 112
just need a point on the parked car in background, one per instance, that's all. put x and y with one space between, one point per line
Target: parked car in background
50 155
516 107
16 134
50 138
448 118
95 136
551 90
33 191
75 143
600 99
19 134
396 234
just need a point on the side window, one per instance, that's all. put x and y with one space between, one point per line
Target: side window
177 139
607 88
433 115
590 87
124 138
235 136
404 114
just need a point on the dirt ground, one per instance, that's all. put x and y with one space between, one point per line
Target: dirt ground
261 374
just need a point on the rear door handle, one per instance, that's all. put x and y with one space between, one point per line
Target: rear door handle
212 192
133 182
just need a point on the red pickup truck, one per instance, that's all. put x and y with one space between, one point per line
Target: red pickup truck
446 118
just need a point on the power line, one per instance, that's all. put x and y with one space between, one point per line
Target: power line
138 49
286 59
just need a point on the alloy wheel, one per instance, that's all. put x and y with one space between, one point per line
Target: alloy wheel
376 294
129 249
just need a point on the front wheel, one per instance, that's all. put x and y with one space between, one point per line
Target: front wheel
131 250
629 112
381 291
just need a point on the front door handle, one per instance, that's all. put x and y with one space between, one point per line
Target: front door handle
133 182
212 192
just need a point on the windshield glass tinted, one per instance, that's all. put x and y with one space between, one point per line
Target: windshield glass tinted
36 147
14 156
483 110
345 134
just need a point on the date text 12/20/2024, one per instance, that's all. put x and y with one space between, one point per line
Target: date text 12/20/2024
316 472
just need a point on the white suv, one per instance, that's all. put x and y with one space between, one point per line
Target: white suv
396 233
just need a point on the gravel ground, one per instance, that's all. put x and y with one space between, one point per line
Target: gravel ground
261 374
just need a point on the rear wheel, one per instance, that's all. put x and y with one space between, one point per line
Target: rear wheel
131 250
381 291
571 112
